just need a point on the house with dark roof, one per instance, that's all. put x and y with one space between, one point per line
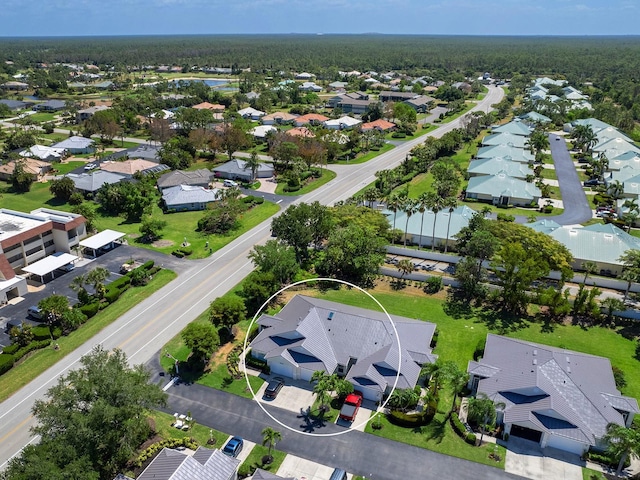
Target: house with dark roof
556 397
14 104
237 169
196 178
360 345
421 103
87 113
390 96
50 106
90 183
260 474
355 106
204 464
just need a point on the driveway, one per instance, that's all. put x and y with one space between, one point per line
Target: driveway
576 207
295 396
527 459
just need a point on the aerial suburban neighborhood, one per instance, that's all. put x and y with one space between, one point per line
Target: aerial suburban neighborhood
407 261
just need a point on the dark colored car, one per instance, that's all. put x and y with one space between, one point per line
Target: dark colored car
591 183
233 447
275 385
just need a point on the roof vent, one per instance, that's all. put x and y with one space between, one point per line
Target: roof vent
535 352
535 361
568 369
330 317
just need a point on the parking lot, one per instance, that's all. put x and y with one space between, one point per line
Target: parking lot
16 311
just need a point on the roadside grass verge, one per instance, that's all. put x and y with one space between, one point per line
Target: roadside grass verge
525 212
37 362
549 174
164 429
327 176
367 156
254 459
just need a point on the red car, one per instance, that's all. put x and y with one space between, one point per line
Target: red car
351 406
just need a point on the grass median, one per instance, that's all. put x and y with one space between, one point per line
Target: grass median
35 363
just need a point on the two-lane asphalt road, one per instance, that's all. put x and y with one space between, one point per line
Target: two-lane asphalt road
143 330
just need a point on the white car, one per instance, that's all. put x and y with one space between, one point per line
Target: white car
90 166
230 183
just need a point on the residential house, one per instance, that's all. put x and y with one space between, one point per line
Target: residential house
421 103
90 183
360 345
197 178
390 96
550 81
87 113
32 166
309 87
218 108
204 464
44 153
595 124
498 165
260 474
129 168
552 396
76 145
261 131
310 119
508 152
304 76
14 104
616 144
333 86
610 132
501 189
237 169
598 243
278 118
464 86
342 123
13 85
533 118
357 107
508 139
251 113
303 132
334 102
380 125
145 152
515 127
183 198
420 231
50 106
106 85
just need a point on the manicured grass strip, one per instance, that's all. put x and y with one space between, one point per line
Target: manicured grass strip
255 458
62 168
588 474
199 432
368 156
37 362
549 174
327 176
525 212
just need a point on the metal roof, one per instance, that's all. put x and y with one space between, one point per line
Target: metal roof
101 239
50 263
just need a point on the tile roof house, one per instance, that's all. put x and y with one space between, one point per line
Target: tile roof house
32 166
209 106
278 118
310 119
311 334
237 169
380 125
44 153
198 178
128 167
501 189
598 243
76 144
559 398
89 183
261 131
300 132
496 165
204 464
183 198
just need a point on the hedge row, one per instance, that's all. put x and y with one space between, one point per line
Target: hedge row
461 430
605 458
257 364
171 443
408 419
6 362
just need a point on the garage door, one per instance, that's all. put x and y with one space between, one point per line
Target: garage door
284 369
305 374
566 444
526 433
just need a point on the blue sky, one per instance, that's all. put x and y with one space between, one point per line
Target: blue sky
474 17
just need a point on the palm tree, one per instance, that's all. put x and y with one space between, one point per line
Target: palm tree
589 267
435 204
270 437
483 410
422 207
371 195
456 378
96 278
452 203
435 373
252 163
404 266
77 285
622 443
394 203
324 384
410 206
631 268
615 189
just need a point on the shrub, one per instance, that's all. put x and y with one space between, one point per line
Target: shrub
470 438
605 458
461 430
433 285
408 419
288 188
148 265
112 294
434 338
30 348
182 252
504 217
256 363
90 309
121 283
56 332
6 362
245 470
41 332
479 351
11 349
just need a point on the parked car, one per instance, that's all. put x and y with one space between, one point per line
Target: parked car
90 166
68 267
230 183
34 312
275 385
233 447
351 406
592 182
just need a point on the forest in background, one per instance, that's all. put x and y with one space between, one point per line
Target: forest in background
579 59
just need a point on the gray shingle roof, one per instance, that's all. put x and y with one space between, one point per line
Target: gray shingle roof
553 390
323 334
74 142
205 464
91 182
187 194
180 177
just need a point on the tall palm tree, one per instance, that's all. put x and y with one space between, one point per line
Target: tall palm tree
456 378
410 206
270 437
589 268
394 203
483 410
452 203
422 207
622 443
78 284
252 163
631 269
434 203
96 278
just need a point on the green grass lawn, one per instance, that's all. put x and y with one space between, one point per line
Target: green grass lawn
367 156
254 460
42 117
217 376
37 362
478 206
422 129
327 176
549 174
201 433
588 474
62 168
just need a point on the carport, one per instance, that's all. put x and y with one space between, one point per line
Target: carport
106 238
49 264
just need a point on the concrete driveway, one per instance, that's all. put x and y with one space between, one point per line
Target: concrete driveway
528 460
295 396
302 469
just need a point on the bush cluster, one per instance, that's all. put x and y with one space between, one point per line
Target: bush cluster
182 252
156 447
605 458
461 430
6 362
252 200
257 364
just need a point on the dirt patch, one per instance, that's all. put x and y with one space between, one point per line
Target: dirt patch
163 243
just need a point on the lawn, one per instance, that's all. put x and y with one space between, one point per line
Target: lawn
201 433
548 173
39 361
42 117
367 156
66 167
588 474
327 176
217 376
525 212
254 460
423 129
